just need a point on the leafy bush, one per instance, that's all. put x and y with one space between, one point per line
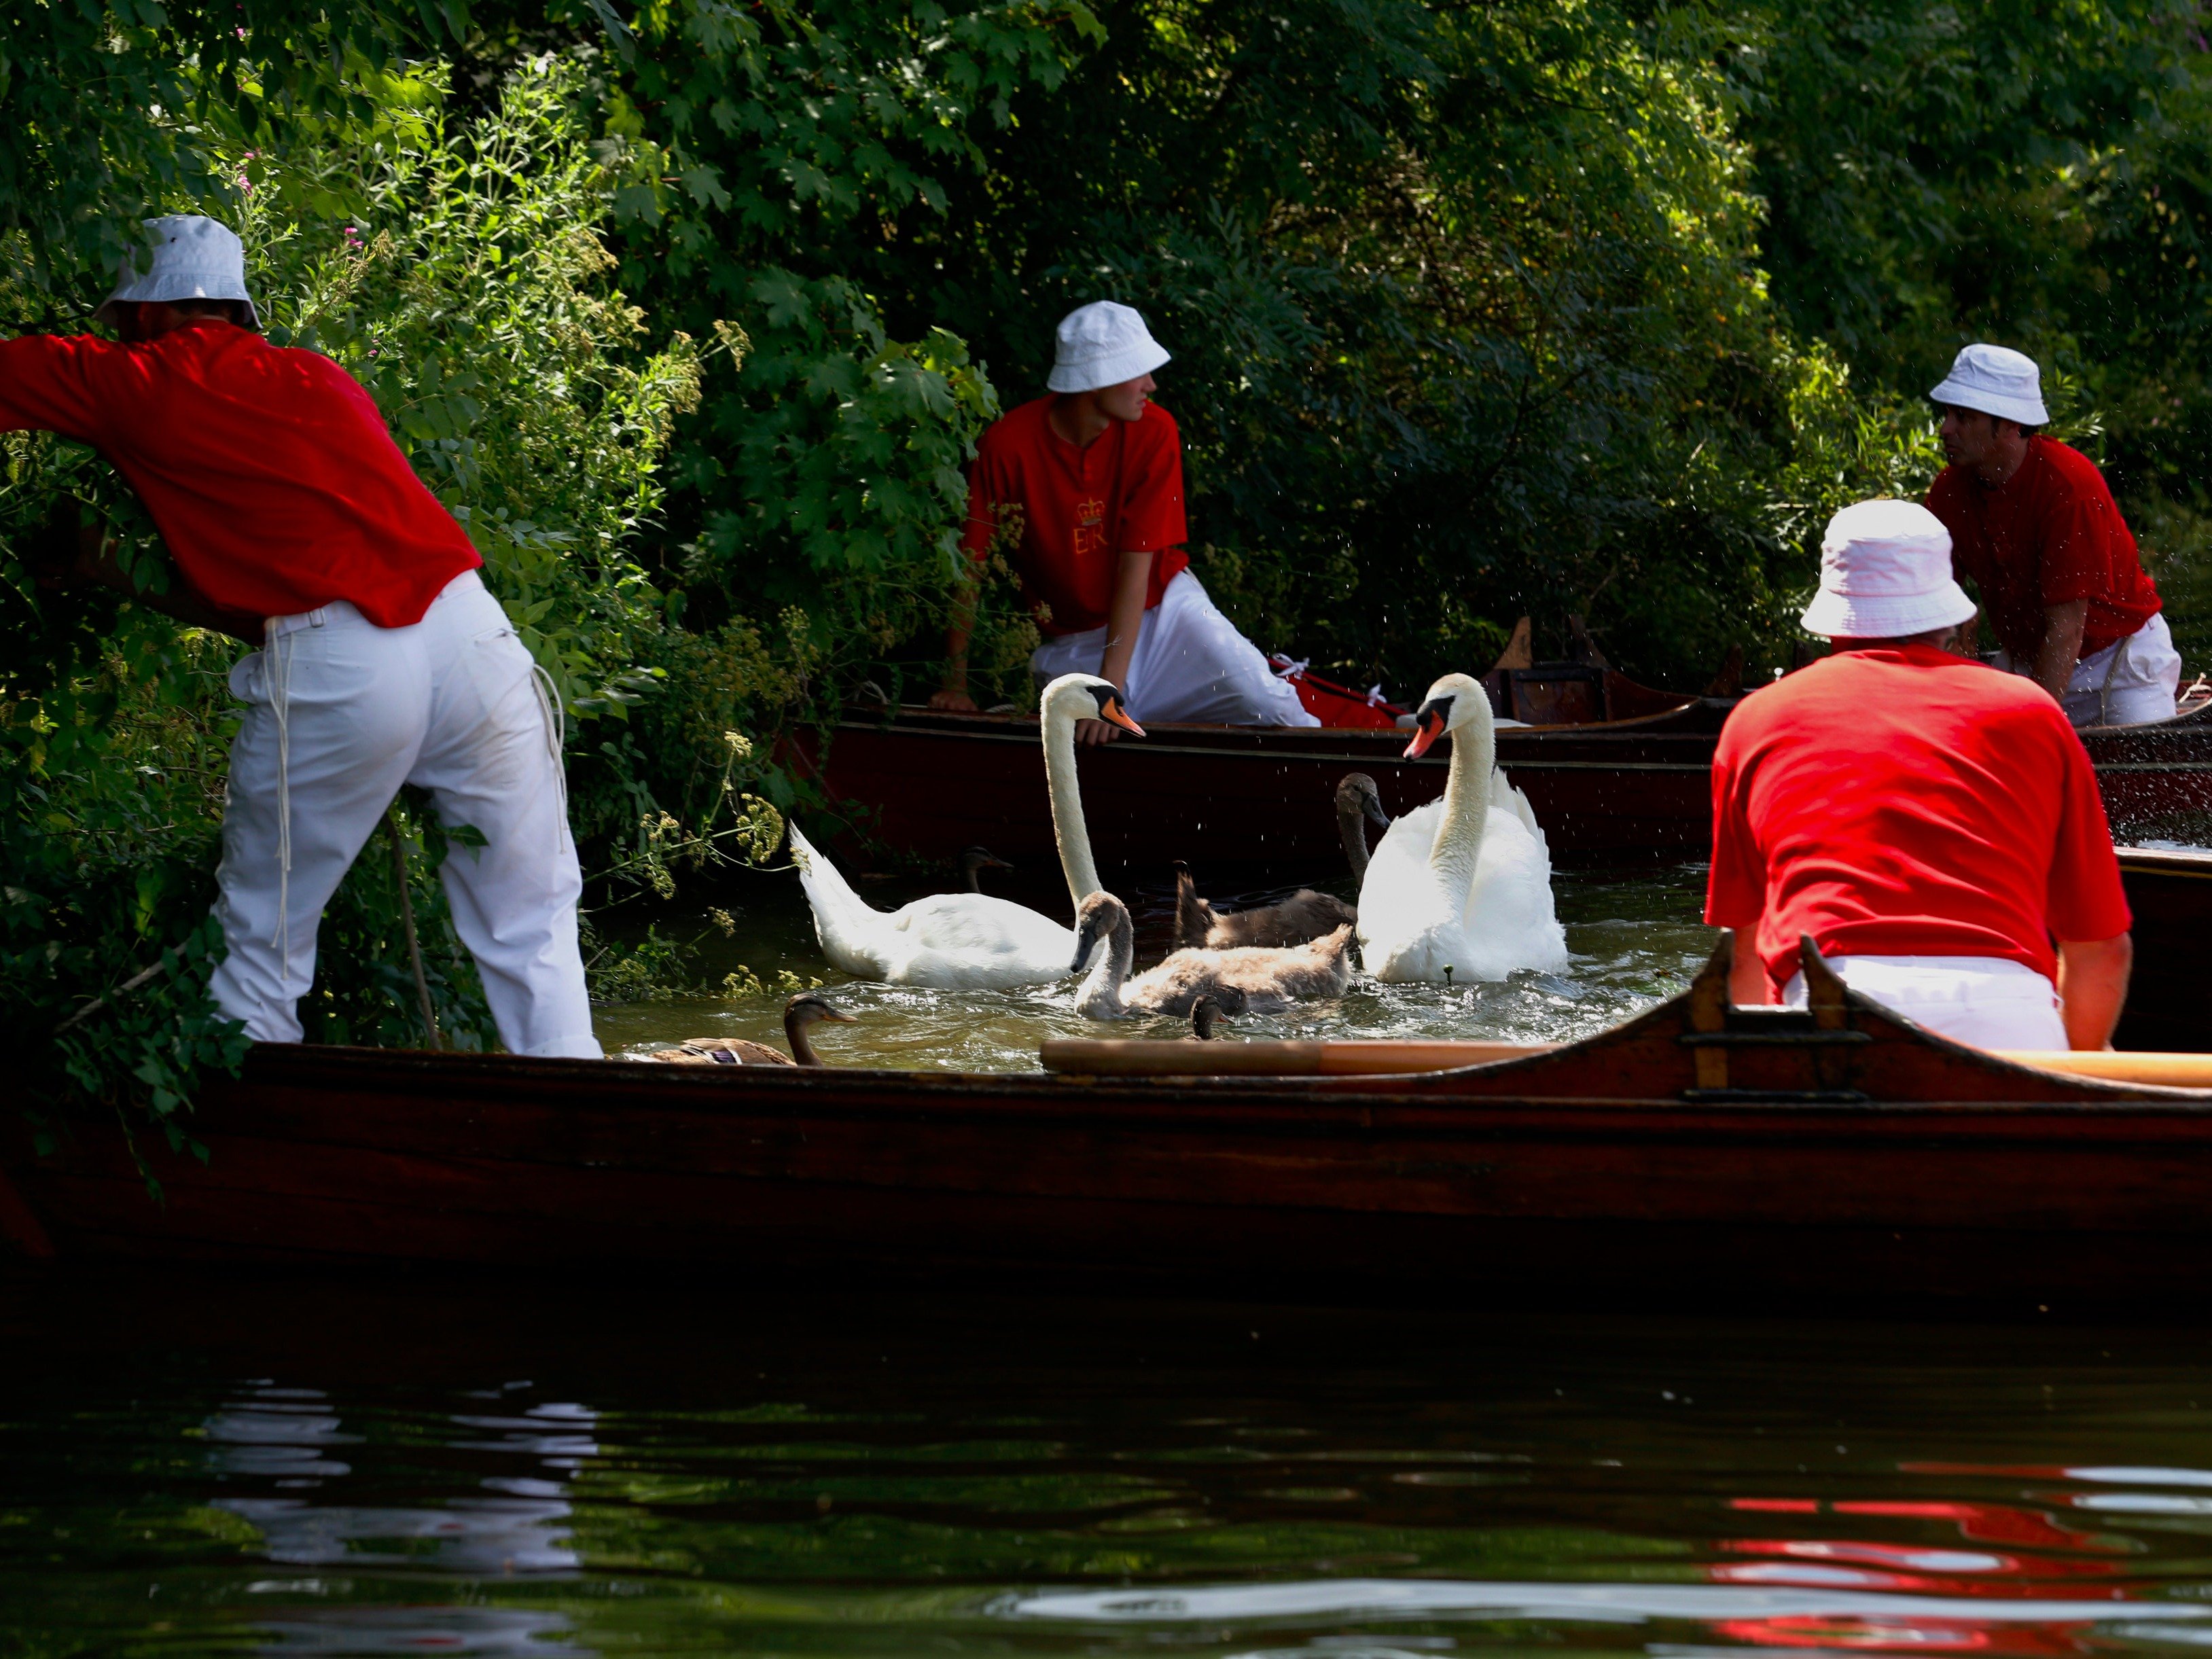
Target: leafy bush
455 269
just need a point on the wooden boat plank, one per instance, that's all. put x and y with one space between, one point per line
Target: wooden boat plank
1800 1200
1518 1157
1112 1247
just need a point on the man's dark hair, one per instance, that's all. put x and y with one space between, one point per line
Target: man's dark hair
231 310
2026 430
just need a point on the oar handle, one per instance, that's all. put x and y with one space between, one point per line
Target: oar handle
1144 1057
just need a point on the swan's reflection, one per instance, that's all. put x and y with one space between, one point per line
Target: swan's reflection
285 1434
515 1630
520 1524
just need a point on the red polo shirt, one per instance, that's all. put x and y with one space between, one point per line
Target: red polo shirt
1906 802
2048 535
1080 509
270 472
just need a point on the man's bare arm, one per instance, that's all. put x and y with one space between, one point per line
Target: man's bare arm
2092 988
2061 645
96 561
1748 986
953 694
1123 618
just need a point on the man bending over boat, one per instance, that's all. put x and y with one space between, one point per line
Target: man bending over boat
2034 522
1092 474
1932 822
297 526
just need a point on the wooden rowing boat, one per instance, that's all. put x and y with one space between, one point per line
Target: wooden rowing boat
1255 801
1698 1152
1251 799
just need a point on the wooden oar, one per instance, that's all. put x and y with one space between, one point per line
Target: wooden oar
1140 1057
1137 1057
2168 1071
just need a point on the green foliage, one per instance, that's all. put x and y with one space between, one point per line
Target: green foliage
650 970
105 110
455 267
1465 306
460 277
2034 176
783 156
111 783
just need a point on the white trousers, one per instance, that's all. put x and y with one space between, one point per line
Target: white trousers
2132 682
1190 664
339 713
1991 1002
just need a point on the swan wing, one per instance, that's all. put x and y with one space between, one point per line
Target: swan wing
855 937
974 941
1504 794
1398 897
1511 921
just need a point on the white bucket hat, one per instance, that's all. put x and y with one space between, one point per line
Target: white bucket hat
1997 381
1886 573
1103 344
193 257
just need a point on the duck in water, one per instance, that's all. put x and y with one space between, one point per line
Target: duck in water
802 1011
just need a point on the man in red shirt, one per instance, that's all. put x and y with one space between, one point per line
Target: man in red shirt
2034 524
296 524
1091 474
1933 824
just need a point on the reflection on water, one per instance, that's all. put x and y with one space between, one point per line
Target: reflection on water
274 1433
1632 941
490 1467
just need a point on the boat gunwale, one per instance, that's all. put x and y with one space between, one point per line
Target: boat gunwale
920 719
906 1090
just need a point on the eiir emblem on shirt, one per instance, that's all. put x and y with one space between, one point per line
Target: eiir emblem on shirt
1089 526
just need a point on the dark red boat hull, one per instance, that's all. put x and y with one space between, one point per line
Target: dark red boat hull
1257 800
1738 1155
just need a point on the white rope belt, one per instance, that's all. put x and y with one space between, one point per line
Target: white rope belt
556 733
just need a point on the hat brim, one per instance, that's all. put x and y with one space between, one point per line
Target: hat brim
1129 363
2028 412
168 286
1839 617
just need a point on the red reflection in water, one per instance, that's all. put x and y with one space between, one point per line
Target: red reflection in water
1983 1523
1862 1564
1930 1636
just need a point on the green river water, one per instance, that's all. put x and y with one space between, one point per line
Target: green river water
1632 940
526 1465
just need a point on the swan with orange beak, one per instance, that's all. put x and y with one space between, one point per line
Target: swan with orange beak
1461 889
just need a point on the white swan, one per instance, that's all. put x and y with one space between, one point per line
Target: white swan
1463 883
971 941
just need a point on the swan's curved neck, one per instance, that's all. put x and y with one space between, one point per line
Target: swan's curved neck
1069 828
1458 847
1351 829
1099 996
